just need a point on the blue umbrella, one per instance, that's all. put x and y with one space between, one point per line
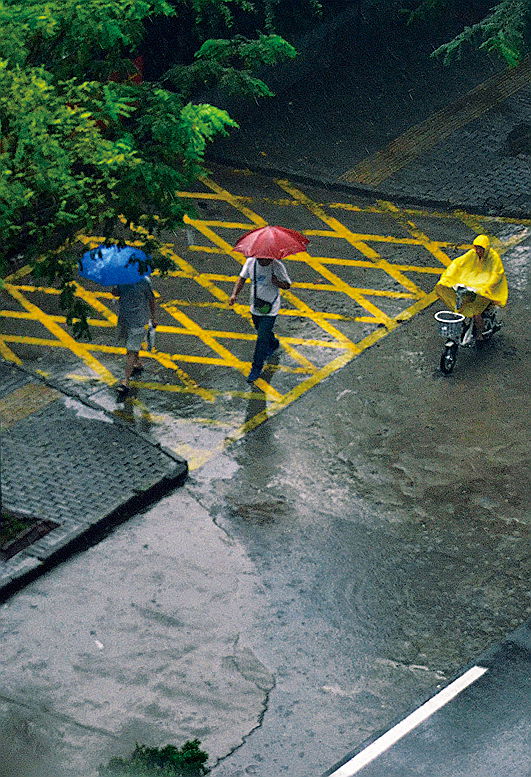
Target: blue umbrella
114 265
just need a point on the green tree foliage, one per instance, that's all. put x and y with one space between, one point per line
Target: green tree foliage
169 761
83 141
230 64
504 30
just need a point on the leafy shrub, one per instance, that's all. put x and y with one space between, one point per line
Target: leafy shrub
186 761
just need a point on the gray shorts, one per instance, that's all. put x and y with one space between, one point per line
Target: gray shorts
132 337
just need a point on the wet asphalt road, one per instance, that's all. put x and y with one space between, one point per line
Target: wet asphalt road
475 727
385 514
309 584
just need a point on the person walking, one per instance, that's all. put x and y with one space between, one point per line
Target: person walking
267 276
136 309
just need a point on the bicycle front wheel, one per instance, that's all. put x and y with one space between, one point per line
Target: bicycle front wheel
448 358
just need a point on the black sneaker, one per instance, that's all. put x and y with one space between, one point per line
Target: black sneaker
254 374
122 392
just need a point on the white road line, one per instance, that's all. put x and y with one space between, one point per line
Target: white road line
417 717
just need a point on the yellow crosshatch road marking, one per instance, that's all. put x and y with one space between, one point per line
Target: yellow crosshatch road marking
352 289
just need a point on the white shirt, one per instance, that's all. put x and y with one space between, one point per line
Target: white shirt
265 288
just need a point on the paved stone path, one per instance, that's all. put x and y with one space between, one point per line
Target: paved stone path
67 461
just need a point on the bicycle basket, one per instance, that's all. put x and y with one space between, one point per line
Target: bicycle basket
450 323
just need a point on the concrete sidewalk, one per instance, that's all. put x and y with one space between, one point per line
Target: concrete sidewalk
67 461
368 110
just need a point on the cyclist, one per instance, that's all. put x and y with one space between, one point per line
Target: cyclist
482 272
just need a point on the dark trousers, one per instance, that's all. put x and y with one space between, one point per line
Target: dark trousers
266 342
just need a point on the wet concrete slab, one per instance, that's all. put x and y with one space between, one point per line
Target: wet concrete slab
154 624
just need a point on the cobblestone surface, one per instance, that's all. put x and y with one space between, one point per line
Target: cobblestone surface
67 461
475 166
378 84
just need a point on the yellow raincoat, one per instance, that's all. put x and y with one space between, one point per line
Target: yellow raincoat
485 276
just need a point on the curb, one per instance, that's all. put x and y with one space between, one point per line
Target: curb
73 536
369 191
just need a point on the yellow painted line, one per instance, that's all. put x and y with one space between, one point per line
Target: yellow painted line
366 263
25 339
42 289
216 239
452 215
348 291
335 260
224 224
301 308
214 276
241 198
248 336
167 387
290 349
371 292
371 238
473 222
407 241
294 394
19 314
288 259
515 240
319 316
194 304
170 387
195 457
91 299
219 294
20 273
166 361
421 304
501 246
302 388
411 227
206 338
25 401
7 353
200 195
440 125
346 234
347 206
302 285
255 219
415 268
207 249
67 340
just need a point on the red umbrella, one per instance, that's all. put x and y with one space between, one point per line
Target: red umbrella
271 243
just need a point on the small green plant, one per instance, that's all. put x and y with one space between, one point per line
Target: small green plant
12 525
186 761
